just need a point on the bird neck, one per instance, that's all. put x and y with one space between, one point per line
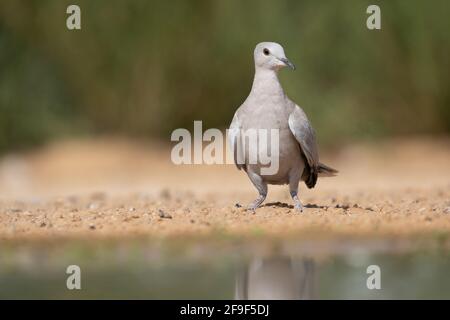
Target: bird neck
266 83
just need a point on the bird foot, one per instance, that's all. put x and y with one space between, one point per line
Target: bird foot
255 204
298 207
297 204
251 209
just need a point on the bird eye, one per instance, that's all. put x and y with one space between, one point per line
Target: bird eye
266 51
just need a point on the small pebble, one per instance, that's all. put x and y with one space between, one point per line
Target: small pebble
164 215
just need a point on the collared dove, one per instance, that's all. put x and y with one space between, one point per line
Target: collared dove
268 107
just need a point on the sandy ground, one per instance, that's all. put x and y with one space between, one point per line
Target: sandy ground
110 188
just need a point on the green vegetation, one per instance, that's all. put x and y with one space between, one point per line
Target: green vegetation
143 68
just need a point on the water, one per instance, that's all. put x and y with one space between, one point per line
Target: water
225 269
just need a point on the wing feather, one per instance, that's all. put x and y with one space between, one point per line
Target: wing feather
235 141
306 137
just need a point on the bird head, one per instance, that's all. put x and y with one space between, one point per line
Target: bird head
270 55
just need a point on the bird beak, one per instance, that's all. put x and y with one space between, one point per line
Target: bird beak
287 63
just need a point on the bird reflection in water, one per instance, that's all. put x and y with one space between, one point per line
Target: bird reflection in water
276 278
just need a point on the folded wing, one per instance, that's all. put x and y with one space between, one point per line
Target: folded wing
235 142
306 137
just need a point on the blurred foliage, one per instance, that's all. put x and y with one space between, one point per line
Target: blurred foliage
143 68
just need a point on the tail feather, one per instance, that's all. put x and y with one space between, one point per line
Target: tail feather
326 171
311 179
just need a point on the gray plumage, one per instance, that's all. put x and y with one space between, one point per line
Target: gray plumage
268 107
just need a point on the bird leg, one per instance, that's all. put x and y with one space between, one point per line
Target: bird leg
297 204
259 183
293 189
255 204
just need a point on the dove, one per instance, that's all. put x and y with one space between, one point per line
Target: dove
268 107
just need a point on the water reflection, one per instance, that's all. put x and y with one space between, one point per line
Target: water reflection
276 278
139 270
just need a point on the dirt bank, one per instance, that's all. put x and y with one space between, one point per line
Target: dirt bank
112 188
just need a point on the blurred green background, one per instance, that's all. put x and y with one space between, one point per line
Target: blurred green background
143 68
